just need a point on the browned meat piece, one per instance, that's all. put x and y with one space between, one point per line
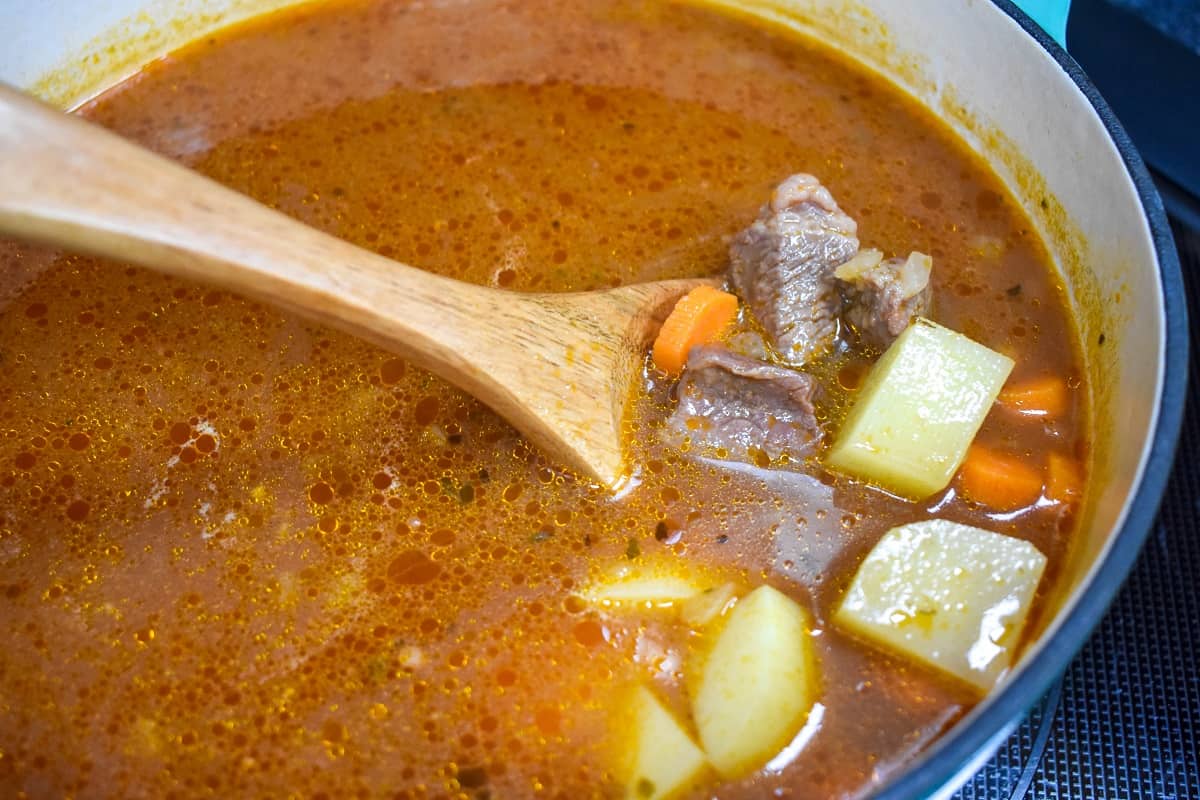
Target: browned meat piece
737 402
883 297
783 266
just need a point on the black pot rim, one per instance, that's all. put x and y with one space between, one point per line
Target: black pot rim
982 734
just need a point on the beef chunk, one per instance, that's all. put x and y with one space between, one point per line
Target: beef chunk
737 402
883 297
782 267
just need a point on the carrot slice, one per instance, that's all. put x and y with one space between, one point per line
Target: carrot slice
700 317
1041 397
1064 478
998 480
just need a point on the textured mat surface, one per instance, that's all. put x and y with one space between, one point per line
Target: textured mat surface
1179 19
1124 722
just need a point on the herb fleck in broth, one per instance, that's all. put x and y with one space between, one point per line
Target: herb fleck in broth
241 552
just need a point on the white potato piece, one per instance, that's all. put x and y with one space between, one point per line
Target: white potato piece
661 760
918 411
758 683
646 586
946 594
700 610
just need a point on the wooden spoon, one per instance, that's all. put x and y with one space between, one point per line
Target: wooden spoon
557 366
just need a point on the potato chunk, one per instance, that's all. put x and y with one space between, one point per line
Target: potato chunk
707 606
758 683
918 410
645 586
661 760
950 595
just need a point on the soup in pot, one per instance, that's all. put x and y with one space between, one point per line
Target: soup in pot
245 555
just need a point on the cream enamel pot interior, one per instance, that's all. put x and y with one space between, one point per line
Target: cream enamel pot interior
1018 99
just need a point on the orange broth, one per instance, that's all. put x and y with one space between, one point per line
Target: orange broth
244 555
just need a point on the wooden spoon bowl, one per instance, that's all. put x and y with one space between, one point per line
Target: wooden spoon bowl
556 366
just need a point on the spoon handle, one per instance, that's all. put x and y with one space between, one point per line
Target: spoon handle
558 367
72 184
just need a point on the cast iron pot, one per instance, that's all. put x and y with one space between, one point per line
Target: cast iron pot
1014 95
